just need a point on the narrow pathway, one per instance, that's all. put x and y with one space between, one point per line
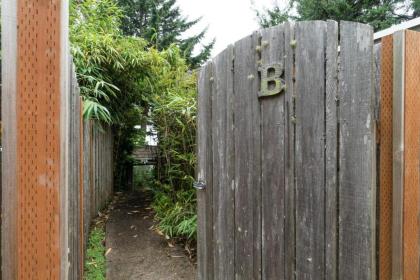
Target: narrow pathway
134 251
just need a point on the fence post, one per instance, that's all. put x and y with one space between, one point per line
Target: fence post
35 88
406 151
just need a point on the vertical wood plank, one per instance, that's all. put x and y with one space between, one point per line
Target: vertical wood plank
92 171
331 160
310 146
86 178
273 150
223 165
290 187
204 173
357 161
65 89
398 153
385 160
411 151
9 139
247 161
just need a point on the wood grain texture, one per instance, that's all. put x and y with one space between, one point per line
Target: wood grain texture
331 148
273 151
9 264
310 147
223 165
304 169
411 187
38 104
86 179
357 154
290 182
385 160
205 173
247 161
65 88
398 153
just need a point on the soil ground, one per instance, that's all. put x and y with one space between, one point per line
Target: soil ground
135 251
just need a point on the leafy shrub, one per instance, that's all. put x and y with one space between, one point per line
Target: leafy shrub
122 79
174 118
143 177
176 215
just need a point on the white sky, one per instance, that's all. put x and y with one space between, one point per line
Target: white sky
227 20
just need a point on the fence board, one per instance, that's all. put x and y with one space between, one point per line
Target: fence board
385 161
223 165
331 147
357 154
398 155
411 150
204 173
9 139
247 161
86 178
310 146
273 159
290 183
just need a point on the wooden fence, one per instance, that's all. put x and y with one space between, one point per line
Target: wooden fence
57 169
399 145
292 123
90 176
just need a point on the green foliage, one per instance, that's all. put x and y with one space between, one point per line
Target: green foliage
109 65
161 23
143 177
123 80
174 118
95 257
176 214
119 75
380 14
272 17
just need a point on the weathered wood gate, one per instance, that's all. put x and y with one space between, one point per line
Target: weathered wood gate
287 154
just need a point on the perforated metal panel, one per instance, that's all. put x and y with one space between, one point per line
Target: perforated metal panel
385 189
411 157
38 122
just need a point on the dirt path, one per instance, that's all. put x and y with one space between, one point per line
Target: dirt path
138 253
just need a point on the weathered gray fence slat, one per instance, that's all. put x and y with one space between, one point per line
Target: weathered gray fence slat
95 170
357 154
223 166
398 125
273 157
310 146
75 215
71 178
86 178
290 237
205 174
331 160
247 161
72 202
9 139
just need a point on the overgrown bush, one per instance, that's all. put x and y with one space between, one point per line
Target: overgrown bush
176 215
174 118
122 79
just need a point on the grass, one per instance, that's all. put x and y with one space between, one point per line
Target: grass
95 256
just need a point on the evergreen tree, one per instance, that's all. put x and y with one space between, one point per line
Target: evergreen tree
380 14
161 23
